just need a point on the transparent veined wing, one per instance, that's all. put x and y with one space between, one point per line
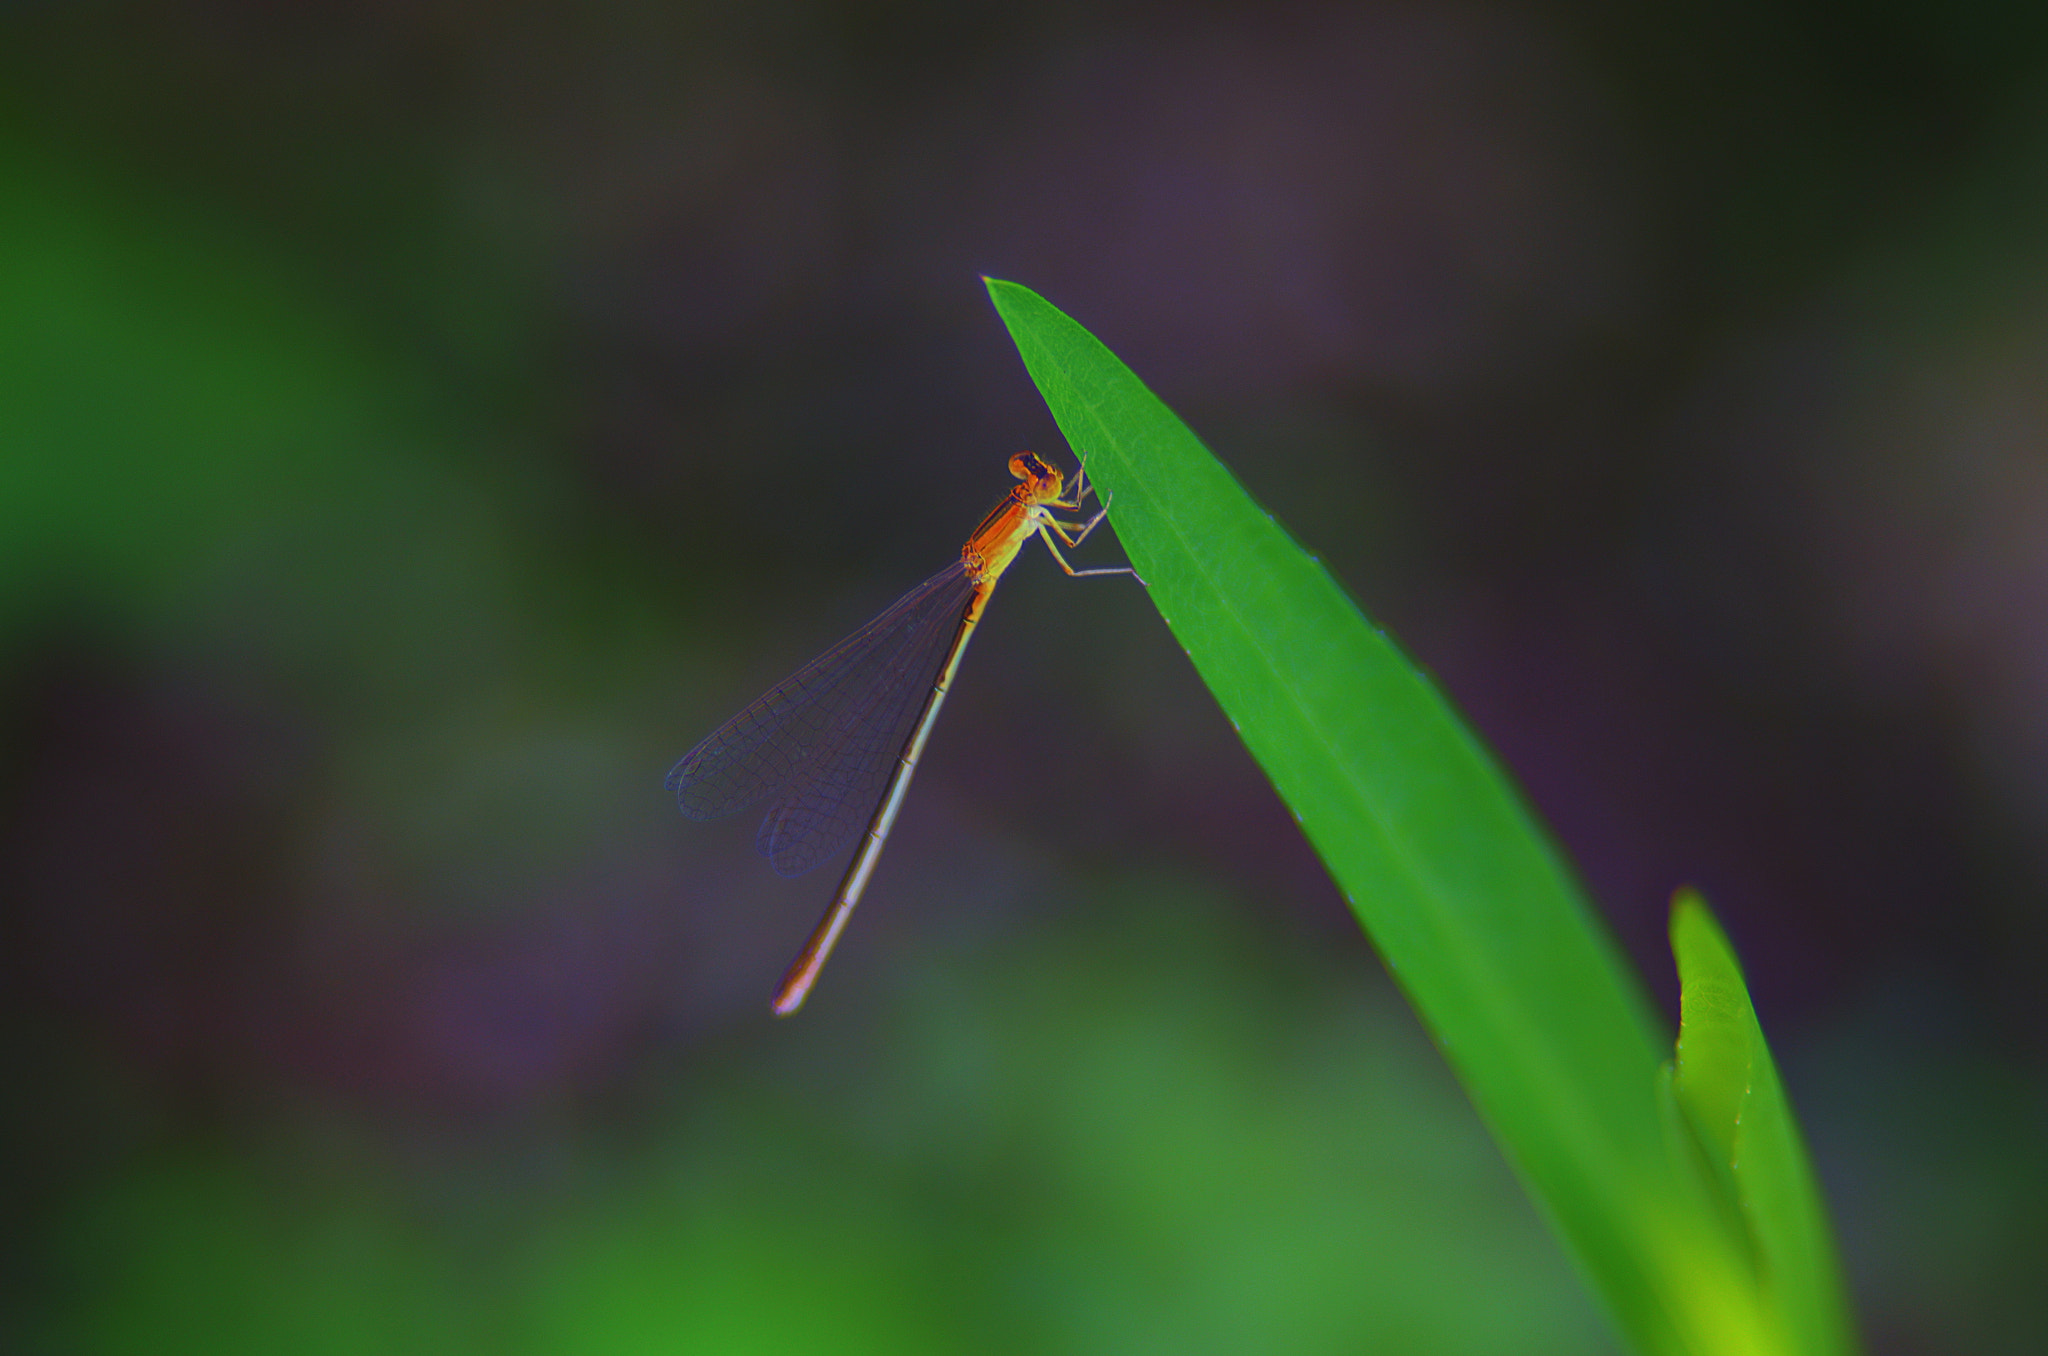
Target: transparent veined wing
822 742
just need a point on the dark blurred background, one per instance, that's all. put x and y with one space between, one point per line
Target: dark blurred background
419 424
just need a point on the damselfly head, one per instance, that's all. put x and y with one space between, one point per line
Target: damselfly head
1042 480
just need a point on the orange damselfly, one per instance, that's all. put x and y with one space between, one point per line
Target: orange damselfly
842 735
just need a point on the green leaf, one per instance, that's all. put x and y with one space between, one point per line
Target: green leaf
1728 1088
1469 903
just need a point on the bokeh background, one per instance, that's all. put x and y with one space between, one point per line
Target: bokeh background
420 423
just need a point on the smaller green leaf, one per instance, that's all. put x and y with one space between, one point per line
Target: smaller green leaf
1727 1086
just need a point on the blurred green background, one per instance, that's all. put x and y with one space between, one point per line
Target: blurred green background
419 424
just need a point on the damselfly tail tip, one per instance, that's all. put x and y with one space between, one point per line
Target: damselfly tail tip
803 971
791 996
